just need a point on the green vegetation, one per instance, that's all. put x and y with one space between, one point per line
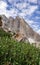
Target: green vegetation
4 34
17 53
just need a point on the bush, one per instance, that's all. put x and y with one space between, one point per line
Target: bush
18 53
4 34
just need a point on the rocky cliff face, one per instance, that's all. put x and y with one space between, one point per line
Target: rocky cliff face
23 32
0 22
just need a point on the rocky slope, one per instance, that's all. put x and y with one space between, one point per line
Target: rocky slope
21 30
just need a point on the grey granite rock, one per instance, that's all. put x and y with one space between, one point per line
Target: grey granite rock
20 27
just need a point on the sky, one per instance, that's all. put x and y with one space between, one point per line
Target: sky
27 9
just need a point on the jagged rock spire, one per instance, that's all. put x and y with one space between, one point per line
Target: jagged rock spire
20 28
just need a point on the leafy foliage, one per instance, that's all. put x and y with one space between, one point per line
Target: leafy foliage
17 53
4 34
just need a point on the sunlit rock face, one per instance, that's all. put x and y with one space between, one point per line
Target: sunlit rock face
21 29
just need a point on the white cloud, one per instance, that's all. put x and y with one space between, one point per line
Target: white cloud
14 12
26 9
37 17
21 5
36 28
34 25
30 10
33 1
11 1
30 22
38 31
21 14
6 12
3 5
38 12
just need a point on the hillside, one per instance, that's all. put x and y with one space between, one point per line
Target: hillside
13 52
21 29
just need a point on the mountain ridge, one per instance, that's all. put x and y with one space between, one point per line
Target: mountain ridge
23 32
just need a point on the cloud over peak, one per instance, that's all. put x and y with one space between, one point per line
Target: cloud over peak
27 9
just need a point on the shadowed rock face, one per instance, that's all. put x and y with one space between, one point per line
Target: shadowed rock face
20 27
0 21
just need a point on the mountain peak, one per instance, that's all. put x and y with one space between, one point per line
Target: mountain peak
21 29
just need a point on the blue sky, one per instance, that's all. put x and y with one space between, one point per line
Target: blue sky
27 9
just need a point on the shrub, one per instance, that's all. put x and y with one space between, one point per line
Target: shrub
4 34
18 53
